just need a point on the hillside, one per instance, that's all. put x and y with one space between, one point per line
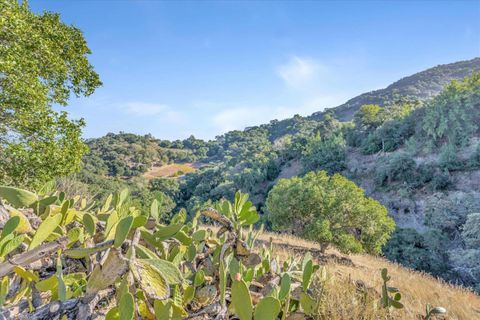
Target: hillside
349 274
422 85
419 158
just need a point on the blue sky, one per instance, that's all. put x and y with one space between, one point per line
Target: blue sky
179 68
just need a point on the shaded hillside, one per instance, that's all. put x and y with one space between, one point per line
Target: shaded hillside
422 85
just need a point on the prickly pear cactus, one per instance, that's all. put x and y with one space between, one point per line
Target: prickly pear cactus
68 258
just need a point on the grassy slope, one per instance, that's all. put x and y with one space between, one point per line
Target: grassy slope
346 273
169 170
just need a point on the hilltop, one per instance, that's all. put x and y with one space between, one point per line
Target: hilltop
422 86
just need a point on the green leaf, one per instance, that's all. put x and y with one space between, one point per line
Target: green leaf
183 238
139 221
121 233
113 314
111 222
168 270
199 235
150 279
191 252
396 304
89 223
248 214
267 309
45 229
167 310
4 288
25 274
163 310
241 300
188 294
385 276
180 217
154 210
79 253
12 245
307 275
18 198
144 253
199 278
10 226
74 235
47 284
285 285
24 225
126 307
61 287
307 303
165 232
107 203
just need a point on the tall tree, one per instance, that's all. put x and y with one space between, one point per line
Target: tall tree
330 210
42 61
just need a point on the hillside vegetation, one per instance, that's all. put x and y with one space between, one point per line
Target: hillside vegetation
420 86
70 259
420 159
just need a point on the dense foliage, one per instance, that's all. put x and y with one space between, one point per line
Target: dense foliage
42 62
454 115
115 252
329 210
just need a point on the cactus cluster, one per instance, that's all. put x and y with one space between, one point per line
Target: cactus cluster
74 259
390 295
70 258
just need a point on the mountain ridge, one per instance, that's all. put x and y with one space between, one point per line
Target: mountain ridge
406 87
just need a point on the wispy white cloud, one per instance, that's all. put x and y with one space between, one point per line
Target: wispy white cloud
237 118
155 112
299 71
144 109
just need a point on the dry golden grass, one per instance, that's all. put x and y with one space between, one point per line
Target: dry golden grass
342 299
169 170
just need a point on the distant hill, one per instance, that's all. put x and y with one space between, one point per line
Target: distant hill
422 85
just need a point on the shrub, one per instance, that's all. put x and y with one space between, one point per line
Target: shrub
441 181
372 144
448 159
453 115
471 231
324 154
329 210
397 168
424 252
475 158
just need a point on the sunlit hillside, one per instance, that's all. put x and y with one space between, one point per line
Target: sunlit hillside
349 277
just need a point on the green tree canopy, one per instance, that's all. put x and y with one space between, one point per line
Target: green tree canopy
330 210
324 154
369 116
42 61
454 114
471 230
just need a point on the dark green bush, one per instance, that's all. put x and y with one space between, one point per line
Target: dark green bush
441 181
399 167
324 154
424 252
